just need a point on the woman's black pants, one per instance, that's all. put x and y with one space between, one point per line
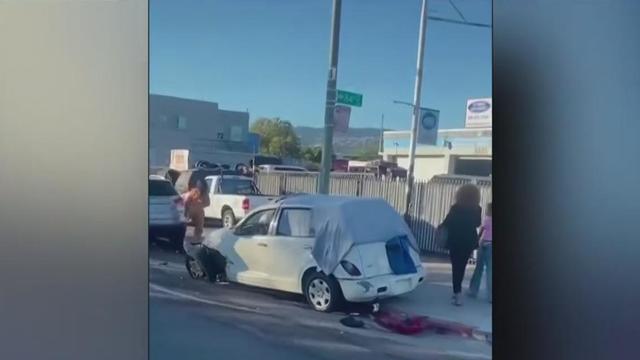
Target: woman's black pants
459 259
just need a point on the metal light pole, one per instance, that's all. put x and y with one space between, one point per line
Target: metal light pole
416 109
327 146
380 144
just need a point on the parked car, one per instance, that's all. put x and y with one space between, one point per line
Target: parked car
330 249
166 212
165 172
232 197
258 160
281 168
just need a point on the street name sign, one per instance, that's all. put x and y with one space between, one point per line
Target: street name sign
349 98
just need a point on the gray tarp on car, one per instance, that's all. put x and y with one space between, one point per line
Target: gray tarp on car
342 222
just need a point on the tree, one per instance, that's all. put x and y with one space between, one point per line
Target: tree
366 153
278 137
312 154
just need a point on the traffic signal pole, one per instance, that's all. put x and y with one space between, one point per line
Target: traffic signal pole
416 110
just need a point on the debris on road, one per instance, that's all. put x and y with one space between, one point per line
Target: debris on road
351 321
405 324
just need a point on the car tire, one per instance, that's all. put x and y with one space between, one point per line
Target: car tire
195 270
323 292
228 218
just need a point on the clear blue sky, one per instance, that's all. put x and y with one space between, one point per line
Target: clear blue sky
272 56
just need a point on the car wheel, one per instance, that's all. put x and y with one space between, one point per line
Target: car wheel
323 293
228 219
194 269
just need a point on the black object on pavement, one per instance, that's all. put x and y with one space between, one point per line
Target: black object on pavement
351 321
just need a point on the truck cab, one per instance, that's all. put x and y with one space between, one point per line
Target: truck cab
232 198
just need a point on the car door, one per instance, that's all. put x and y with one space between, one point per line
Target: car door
213 210
289 250
250 248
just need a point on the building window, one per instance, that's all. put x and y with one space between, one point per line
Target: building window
182 122
236 133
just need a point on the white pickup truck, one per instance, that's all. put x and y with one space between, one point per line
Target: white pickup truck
232 197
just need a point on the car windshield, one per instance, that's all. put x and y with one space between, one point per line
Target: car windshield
161 188
238 187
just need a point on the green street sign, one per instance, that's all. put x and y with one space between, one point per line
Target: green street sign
349 98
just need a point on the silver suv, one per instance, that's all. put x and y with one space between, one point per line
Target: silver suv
166 212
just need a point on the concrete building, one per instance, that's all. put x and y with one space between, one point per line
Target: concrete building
208 132
459 152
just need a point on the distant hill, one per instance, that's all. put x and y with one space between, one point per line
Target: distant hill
345 144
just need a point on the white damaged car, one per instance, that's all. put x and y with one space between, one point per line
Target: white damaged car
328 248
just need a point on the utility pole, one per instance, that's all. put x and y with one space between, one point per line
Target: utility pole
416 109
327 146
380 145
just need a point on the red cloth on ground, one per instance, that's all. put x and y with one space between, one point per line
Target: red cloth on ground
405 324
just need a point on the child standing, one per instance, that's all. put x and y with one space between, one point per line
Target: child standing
484 256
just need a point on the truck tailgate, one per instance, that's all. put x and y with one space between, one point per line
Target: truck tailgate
257 201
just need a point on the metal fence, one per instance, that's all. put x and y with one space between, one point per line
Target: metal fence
431 200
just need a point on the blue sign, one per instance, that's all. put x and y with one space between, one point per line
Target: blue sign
428 130
254 143
429 121
479 106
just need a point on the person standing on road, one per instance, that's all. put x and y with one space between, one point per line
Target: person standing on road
484 257
461 225
196 200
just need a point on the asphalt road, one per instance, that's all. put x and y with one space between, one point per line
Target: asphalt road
192 319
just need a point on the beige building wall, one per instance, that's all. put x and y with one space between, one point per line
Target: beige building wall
427 167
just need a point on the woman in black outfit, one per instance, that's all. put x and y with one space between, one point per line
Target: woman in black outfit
461 224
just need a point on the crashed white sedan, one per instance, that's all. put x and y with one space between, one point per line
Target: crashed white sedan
328 248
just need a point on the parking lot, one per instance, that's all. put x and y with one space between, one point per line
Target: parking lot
196 318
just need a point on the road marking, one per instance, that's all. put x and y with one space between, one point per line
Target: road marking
181 295
467 354
330 345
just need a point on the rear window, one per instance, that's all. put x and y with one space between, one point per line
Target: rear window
237 186
161 188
